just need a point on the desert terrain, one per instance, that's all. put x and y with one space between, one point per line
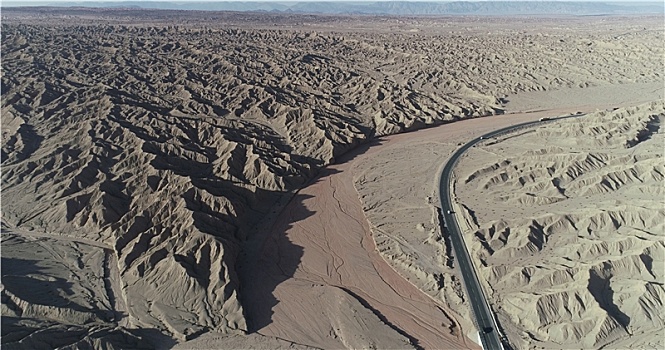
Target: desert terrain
401 203
566 223
205 179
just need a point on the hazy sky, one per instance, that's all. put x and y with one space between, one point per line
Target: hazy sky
50 2
195 1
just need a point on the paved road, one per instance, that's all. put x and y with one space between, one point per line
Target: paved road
484 319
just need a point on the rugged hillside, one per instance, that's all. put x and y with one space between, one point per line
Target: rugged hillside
165 145
570 236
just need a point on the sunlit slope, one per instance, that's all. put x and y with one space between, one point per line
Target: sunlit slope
570 236
166 145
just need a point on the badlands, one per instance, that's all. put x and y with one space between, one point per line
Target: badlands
184 179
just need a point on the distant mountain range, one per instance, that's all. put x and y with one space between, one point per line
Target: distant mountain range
384 7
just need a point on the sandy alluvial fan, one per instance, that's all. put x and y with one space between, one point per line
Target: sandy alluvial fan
145 154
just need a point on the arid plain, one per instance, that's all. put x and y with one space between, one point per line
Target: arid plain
206 180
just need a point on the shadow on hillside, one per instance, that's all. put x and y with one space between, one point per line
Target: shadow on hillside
34 284
268 262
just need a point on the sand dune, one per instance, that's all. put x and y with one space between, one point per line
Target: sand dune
170 144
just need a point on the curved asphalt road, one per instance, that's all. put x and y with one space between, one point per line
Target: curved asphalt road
484 319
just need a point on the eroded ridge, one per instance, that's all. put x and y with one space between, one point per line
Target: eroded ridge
570 236
167 138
